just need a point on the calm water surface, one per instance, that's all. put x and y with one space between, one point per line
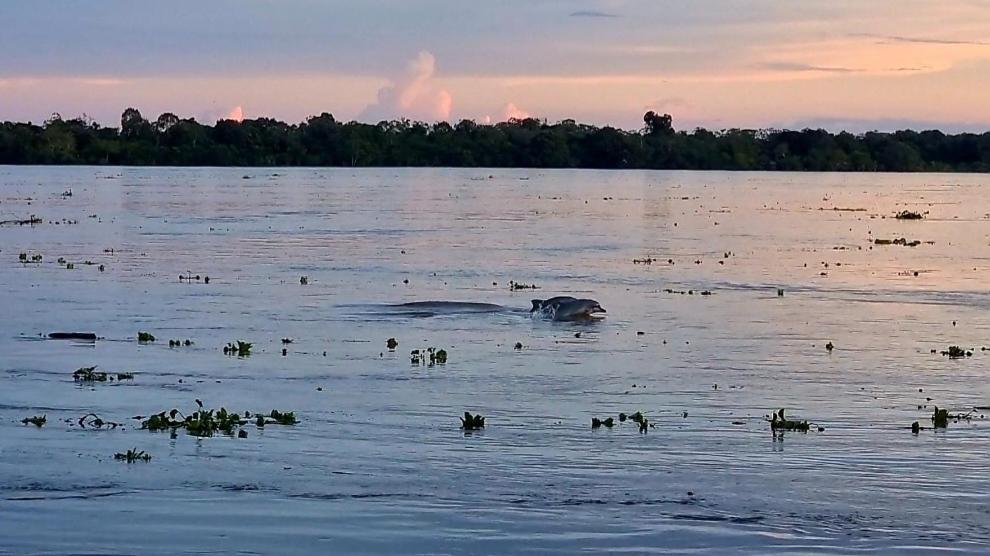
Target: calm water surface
378 464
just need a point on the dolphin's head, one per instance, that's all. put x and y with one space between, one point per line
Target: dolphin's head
596 308
537 305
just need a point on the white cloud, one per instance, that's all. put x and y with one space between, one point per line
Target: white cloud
414 94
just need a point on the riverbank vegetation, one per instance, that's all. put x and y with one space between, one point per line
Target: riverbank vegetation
324 141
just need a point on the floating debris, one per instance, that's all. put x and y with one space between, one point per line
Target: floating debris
145 337
391 343
472 422
38 421
829 347
180 343
518 346
88 336
909 215
133 455
647 260
304 280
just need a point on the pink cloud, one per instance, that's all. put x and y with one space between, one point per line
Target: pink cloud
236 114
414 94
511 111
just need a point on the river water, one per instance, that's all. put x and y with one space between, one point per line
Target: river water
378 463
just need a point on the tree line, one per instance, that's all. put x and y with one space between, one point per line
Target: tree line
532 143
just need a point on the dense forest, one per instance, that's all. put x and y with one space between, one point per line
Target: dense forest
324 141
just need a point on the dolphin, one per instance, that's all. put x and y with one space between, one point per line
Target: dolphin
566 308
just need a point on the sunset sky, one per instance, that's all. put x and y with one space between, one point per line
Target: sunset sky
853 64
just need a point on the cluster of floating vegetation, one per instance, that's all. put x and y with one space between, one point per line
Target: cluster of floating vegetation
145 337
304 280
209 422
940 419
898 241
430 356
179 343
638 418
516 286
30 221
909 215
391 343
688 292
38 420
133 455
90 374
956 352
189 277
472 422
779 423
240 348
30 257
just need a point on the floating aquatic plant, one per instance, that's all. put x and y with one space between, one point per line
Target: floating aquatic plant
209 422
145 337
38 421
133 455
392 343
180 343
287 418
598 423
908 215
92 420
430 356
90 374
940 418
956 352
240 349
516 286
304 280
781 423
472 422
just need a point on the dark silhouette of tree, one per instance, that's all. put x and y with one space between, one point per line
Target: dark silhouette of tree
528 142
